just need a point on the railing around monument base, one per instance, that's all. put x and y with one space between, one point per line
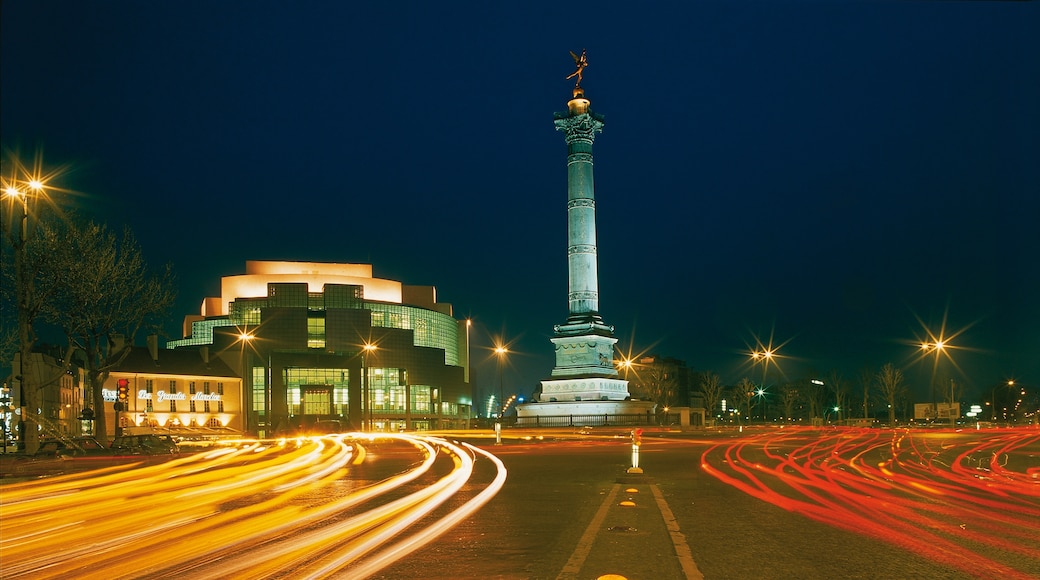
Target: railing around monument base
585 420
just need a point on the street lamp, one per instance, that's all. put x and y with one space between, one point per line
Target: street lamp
626 364
836 409
761 394
763 357
500 351
993 397
245 338
1011 385
366 403
939 347
23 293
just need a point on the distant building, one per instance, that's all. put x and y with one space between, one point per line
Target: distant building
61 395
664 380
329 342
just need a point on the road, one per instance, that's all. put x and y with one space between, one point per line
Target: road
767 503
742 513
312 507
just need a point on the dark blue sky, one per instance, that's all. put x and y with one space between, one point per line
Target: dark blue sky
837 175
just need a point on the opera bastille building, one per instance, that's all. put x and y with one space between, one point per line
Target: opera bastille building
328 346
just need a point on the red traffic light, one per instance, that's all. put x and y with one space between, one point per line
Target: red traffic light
123 389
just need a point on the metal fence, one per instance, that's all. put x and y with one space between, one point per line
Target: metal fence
586 420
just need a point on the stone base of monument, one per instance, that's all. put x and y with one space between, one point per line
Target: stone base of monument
585 414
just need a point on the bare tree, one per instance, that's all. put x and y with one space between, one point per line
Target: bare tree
711 386
743 392
890 384
840 388
814 392
104 295
660 383
789 396
866 376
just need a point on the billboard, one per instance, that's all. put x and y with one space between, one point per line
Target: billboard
929 411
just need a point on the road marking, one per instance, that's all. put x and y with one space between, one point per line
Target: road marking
581 552
682 550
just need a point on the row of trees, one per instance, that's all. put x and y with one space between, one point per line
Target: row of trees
73 278
816 395
665 380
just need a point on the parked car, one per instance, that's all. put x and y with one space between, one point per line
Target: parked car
149 444
71 447
326 426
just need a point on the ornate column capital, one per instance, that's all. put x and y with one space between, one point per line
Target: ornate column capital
579 128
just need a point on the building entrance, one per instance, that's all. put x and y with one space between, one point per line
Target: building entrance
316 400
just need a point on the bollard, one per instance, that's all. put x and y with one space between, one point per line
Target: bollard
637 440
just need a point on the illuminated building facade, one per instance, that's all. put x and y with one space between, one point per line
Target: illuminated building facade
318 342
184 392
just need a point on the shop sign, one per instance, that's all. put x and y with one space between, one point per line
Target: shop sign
178 396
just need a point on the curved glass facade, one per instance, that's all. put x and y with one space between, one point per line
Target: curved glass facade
430 328
304 359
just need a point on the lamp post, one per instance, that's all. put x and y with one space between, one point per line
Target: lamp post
366 402
246 365
926 348
23 292
501 352
763 357
993 397
837 413
939 347
625 364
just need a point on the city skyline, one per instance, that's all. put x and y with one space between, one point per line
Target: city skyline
844 181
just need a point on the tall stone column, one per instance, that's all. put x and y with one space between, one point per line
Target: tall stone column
584 344
580 128
584 384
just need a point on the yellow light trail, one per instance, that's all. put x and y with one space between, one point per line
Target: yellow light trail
261 509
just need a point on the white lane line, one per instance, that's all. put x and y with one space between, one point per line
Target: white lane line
682 550
581 552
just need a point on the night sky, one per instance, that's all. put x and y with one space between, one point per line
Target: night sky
836 177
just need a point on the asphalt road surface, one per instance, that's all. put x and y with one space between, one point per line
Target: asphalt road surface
754 503
560 514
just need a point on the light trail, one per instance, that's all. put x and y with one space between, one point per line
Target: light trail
263 509
967 499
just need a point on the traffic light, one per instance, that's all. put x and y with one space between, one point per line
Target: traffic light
637 437
123 390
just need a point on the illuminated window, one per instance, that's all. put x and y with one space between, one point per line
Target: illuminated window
298 378
421 399
315 332
259 389
316 401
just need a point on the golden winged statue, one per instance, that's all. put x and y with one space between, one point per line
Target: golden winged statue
581 62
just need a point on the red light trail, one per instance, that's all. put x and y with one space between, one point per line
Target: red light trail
969 499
